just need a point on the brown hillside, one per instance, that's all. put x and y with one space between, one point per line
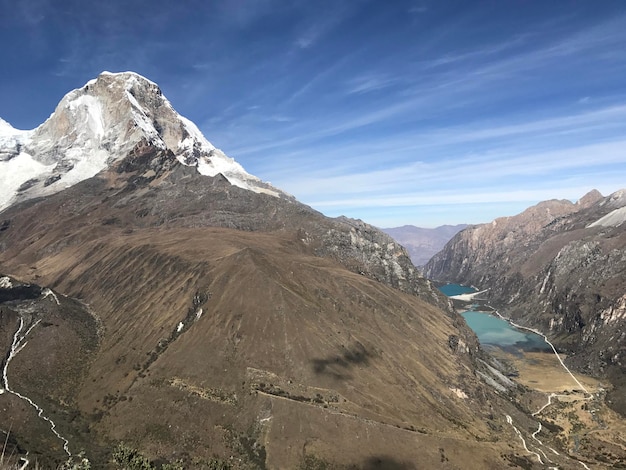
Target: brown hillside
293 351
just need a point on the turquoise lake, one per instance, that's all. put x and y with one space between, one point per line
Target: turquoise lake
456 289
494 331
497 332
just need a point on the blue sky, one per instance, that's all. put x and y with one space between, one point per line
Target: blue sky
394 112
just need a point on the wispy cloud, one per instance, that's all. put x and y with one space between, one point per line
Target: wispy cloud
459 197
370 82
31 12
332 16
611 117
441 93
318 78
242 14
480 54
490 167
362 106
418 9
309 38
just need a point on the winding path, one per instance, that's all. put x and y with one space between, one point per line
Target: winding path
19 341
545 338
519 434
588 396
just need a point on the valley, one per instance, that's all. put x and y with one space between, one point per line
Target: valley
19 341
423 243
587 427
571 404
558 267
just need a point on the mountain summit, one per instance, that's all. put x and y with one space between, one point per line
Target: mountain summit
98 126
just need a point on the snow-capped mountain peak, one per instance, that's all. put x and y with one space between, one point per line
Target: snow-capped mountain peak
6 128
94 127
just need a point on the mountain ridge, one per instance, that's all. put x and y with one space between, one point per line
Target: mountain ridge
190 276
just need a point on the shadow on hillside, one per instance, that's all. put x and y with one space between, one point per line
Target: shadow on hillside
385 463
338 365
22 292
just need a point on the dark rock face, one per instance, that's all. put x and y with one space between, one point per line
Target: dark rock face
559 267
11 292
369 251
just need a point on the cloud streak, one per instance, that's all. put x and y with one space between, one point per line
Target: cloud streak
453 172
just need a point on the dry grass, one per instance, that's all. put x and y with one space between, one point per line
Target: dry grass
8 460
309 325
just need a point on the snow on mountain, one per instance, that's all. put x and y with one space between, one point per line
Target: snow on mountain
6 128
612 219
10 138
616 199
98 125
616 217
16 167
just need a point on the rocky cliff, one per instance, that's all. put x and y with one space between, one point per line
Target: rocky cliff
559 267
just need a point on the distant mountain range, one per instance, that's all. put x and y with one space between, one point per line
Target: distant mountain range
423 243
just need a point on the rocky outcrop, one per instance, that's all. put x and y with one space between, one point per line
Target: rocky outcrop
492 248
558 267
368 251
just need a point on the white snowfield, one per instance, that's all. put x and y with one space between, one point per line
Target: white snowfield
468 297
99 124
612 219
